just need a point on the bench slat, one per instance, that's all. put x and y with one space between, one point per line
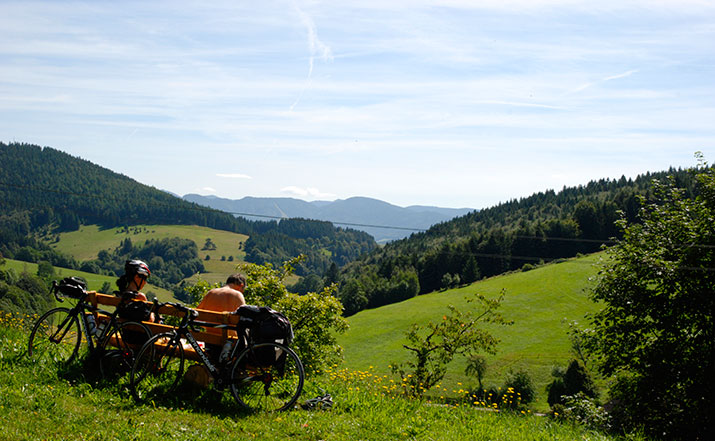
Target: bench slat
96 299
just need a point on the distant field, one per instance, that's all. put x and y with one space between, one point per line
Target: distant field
89 240
541 302
94 281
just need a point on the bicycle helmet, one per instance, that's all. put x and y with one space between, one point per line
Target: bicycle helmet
136 267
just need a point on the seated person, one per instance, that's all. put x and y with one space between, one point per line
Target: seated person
130 285
224 299
130 308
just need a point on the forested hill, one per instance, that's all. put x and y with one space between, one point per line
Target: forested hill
53 187
43 189
513 235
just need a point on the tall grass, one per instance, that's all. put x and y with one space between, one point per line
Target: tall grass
41 402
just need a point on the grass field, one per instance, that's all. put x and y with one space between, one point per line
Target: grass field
39 401
94 281
85 243
541 302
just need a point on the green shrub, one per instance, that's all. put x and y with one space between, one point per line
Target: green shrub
583 410
316 317
522 385
575 379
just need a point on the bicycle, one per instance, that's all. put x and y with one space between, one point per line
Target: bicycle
266 376
58 334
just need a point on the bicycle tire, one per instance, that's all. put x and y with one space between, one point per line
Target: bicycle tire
157 368
119 347
267 377
55 337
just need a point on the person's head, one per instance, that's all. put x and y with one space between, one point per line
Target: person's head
135 274
238 280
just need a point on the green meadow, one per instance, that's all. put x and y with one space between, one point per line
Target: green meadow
42 401
94 281
541 302
89 240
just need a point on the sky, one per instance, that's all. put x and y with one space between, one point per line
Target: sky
450 103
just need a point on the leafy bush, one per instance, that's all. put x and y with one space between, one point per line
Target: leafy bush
656 330
583 410
522 385
575 379
433 346
316 317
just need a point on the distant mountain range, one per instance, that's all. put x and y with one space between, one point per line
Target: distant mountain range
384 221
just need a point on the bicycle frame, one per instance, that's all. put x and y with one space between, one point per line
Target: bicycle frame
254 381
215 370
83 310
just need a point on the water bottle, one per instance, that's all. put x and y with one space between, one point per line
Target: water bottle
100 328
225 351
91 324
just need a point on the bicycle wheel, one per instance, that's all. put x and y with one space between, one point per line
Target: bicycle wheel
267 377
158 367
119 346
56 336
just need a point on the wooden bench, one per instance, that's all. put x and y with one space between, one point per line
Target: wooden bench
99 300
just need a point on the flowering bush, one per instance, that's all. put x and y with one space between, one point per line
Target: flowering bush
583 410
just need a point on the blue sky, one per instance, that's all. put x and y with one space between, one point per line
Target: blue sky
448 103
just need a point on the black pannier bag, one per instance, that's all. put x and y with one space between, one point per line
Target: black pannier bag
266 326
73 287
134 310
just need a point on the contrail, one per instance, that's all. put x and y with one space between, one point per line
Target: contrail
315 46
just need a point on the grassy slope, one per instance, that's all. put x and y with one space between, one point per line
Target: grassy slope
94 281
38 402
89 240
541 302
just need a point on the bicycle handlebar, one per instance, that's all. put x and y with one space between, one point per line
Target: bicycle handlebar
189 313
55 288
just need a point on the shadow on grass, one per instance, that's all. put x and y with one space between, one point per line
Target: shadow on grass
186 396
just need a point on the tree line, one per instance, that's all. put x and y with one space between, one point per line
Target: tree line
320 242
59 190
514 235
170 260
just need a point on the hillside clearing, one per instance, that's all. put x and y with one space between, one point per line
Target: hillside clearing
541 302
89 240
94 281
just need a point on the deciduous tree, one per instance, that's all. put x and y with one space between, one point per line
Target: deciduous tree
656 332
434 345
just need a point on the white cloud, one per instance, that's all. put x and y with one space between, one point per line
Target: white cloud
428 84
307 193
208 189
233 176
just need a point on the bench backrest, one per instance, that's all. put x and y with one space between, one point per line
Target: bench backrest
222 318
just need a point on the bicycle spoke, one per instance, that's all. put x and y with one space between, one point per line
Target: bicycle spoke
158 368
119 347
56 337
267 377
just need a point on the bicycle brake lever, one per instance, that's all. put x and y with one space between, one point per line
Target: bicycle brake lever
54 289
